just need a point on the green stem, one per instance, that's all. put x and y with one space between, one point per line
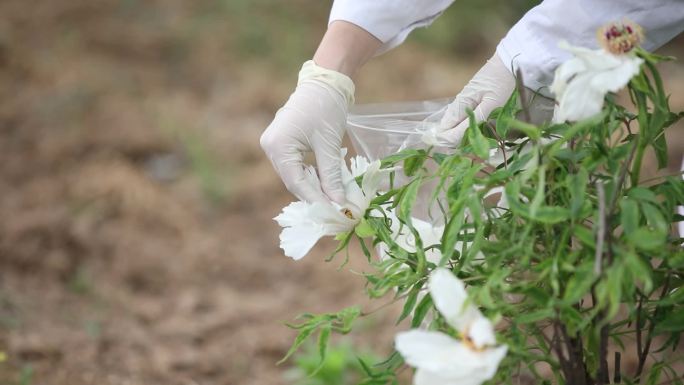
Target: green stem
636 167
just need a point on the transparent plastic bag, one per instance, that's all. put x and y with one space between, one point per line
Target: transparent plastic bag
382 129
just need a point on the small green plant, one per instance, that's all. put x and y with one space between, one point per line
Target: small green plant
26 375
343 365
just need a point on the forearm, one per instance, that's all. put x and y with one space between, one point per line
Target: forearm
345 48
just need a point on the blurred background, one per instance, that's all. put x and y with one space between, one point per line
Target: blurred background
136 239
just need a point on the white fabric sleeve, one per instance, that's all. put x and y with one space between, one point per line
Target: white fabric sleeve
532 44
390 21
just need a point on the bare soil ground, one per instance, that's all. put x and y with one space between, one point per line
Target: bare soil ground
136 240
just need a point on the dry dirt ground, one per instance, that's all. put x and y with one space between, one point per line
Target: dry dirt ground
136 240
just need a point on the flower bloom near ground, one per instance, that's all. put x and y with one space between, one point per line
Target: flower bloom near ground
441 359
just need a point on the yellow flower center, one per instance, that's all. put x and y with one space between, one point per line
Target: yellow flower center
620 37
468 341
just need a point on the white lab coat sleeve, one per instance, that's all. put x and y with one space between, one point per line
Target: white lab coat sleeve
532 44
390 21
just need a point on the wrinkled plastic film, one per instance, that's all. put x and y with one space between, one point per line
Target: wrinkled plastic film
383 129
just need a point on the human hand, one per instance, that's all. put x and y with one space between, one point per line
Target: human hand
490 88
313 119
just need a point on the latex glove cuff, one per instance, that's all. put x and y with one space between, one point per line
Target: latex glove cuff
338 81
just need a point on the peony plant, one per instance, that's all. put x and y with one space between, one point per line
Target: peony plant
546 257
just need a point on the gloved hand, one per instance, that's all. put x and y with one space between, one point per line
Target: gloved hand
490 88
313 119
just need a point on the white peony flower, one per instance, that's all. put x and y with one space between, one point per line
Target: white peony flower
443 360
581 83
305 223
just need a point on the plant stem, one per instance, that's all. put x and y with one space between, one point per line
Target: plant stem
601 232
649 338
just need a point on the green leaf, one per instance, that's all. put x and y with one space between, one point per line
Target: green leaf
408 198
414 163
640 270
579 284
323 339
302 336
452 230
660 149
410 302
478 141
578 189
585 236
647 239
506 115
673 321
655 218
642 194
535 316
421 311
364 229
400 156
629 216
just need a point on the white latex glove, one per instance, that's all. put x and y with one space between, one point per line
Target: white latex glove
313 119
490 88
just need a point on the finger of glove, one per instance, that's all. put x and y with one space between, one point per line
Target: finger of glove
299 182
328 159
286 154
481 112
456 111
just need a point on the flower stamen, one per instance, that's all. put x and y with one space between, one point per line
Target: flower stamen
620 37
347 213
468 341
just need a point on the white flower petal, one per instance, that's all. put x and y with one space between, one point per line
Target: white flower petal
616 78
305 223
580 84
450 297
430 235
425 377
358 165
296 242
441 355
564 73
432 351
372 179
580 100
481 332
491 359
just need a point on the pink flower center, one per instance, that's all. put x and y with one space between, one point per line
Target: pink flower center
620 37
